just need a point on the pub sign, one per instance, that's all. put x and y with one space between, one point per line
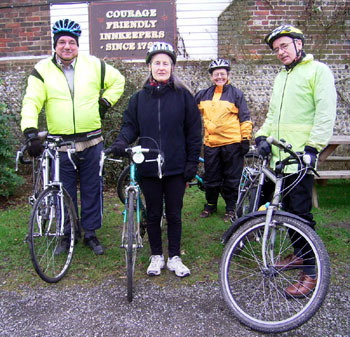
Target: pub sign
127 29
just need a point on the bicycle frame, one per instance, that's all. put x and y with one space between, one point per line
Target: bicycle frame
48 169
277 178
134 186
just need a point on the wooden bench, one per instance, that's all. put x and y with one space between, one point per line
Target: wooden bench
324 156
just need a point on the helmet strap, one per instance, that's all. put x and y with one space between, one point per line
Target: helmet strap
300 55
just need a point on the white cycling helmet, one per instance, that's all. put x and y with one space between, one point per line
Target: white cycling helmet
219 63
161 47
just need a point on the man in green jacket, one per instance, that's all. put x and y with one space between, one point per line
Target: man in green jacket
302 111
68 86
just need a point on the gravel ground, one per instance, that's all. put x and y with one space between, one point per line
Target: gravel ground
157 310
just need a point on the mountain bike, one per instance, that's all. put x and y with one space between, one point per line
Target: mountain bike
134 215
252 283
53 217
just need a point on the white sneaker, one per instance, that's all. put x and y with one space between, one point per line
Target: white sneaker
157 263
175 264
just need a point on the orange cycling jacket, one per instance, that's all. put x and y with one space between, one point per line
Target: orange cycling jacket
225 113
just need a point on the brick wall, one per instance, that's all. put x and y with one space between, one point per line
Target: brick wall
326 25
24 28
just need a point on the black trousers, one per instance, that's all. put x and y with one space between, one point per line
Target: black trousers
298 201
223 168
169 191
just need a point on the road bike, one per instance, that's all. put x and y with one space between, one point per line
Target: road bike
134 215
124 180
251 281
53 217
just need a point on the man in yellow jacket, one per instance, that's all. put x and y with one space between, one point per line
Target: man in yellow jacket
228 129
68 86
302 111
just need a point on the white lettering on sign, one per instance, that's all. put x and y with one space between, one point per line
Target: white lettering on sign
131 13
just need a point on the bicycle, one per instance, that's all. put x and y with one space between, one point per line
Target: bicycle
124 180
252 283
134 215
53 217
250 185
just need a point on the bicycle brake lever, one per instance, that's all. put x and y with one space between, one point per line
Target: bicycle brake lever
69 152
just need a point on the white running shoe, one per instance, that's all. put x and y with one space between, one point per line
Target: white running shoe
175 264
157 263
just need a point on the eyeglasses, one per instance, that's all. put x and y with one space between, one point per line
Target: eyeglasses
217 75
283 47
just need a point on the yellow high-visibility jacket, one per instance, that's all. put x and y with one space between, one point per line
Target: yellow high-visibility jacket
66 113
302 108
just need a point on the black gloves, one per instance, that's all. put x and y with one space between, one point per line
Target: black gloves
104 105
117 148
190 170
264 148
312 152
33 142
244 147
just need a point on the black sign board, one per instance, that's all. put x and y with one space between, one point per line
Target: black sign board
127 29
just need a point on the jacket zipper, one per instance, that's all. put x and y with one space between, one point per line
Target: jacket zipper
279 117
159 125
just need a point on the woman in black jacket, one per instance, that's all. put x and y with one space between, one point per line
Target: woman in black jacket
163 111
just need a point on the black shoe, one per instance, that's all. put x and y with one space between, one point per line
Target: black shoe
62 246
94 244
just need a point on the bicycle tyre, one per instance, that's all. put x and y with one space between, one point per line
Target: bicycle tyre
248 192
248 201
255 296
131 246
47 217
123 181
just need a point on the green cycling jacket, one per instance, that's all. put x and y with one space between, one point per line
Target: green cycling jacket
302 108
66 113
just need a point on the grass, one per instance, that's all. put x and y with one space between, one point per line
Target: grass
201 241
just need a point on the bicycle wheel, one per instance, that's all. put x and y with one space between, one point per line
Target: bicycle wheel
255 294
38 180
247 199
51 209
131 247
122 183
249 189
248 195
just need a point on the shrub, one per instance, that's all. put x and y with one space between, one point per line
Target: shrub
9 180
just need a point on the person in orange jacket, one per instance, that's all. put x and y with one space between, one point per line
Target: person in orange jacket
228 130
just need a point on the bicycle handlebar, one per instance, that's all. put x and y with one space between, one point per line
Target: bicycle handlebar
136 153
301 158
57 141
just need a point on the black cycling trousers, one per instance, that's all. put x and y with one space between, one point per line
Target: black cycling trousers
298 201
223 168
168 191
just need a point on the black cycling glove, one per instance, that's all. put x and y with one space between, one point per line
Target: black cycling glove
264 148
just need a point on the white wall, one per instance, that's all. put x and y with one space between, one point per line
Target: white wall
196 25
77 12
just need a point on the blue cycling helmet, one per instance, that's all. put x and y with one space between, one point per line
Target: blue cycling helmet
66 27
